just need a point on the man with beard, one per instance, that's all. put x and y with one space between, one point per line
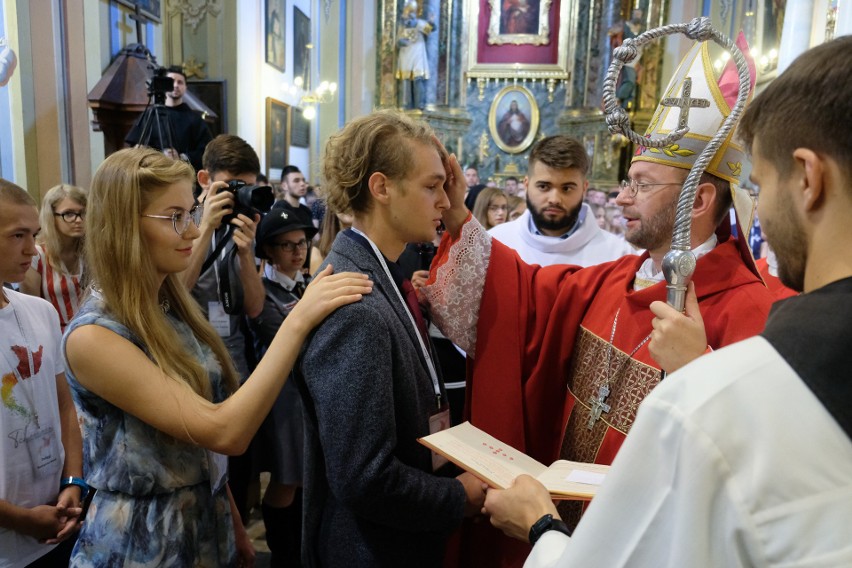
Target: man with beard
561 373
704 466
558 227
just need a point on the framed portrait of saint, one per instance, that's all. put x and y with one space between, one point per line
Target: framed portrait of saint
513 119
277 137
275 33
301 47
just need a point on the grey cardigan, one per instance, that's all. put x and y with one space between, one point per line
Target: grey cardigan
370 496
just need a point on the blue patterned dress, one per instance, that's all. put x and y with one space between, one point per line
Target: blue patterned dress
154 506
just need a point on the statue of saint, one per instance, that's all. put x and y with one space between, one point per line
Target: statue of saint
412 68
626 90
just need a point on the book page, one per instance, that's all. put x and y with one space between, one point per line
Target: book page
485 456
575 479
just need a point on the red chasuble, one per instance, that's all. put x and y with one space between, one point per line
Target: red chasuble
543 351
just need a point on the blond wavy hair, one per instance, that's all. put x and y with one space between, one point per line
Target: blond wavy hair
49 237
378 142
121 267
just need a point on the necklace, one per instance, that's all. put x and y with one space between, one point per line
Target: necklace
598 405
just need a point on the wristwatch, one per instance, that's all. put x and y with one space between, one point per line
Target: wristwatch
547 523
84 487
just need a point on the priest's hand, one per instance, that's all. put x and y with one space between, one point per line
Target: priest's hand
474 490
678 338
455 186
516 509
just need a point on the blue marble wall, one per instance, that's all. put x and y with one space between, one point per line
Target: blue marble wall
497 159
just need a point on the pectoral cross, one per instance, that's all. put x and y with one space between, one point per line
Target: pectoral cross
684 103
597 406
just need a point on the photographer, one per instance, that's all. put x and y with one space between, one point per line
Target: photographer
187 130
225 251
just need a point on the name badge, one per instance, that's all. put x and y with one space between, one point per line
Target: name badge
438 422
44 453
220 321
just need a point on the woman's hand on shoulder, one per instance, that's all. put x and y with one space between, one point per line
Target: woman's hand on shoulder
328 292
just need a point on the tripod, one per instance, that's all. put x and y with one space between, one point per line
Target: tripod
156 128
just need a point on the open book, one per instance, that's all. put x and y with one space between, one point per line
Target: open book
498 464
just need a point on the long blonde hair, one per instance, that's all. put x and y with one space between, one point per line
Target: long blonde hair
122 270
49 237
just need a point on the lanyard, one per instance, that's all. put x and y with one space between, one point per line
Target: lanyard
21 382
434 375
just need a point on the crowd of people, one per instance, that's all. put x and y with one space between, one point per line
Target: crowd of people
160 348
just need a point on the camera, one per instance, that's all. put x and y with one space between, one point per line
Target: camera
160 84
249 199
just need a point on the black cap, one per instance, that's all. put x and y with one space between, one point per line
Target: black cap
281 220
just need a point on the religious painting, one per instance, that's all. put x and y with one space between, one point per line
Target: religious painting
498 45
148 8
519 22
300 129
275 33
302 47
277 135
513 119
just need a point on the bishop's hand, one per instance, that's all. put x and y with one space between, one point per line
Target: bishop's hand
678 338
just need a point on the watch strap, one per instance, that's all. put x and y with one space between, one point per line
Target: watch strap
547 523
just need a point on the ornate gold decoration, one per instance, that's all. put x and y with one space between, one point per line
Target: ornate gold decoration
193 68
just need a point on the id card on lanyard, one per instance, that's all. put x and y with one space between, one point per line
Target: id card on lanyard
439 419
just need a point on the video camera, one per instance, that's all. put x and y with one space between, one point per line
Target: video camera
160 84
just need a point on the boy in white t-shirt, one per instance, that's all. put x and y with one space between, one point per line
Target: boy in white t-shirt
40 444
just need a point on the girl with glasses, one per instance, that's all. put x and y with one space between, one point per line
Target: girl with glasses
283 238
57 270
491 207
155 389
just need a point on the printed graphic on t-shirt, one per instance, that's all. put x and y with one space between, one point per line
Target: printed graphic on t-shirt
10 380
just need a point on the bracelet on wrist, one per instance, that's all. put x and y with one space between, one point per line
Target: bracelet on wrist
71 480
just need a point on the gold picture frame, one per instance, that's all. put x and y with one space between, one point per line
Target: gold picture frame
517 25
277 137
513 119
488 60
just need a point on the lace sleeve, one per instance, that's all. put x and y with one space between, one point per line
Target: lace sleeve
455 288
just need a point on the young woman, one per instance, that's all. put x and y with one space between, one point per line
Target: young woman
283 238
517 206
332 223
57 271
491 207
152 380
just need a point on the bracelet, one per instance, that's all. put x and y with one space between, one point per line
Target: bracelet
84 487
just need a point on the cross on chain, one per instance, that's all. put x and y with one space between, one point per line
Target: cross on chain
597 406
684 103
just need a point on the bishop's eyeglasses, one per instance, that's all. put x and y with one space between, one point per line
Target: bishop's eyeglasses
632 187
181 218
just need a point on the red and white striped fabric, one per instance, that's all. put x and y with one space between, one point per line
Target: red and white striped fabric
61 289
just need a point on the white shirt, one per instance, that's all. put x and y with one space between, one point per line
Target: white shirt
22 398
586 246
732 461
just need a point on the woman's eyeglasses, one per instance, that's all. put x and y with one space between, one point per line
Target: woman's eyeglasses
181 218
71 216
290 246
